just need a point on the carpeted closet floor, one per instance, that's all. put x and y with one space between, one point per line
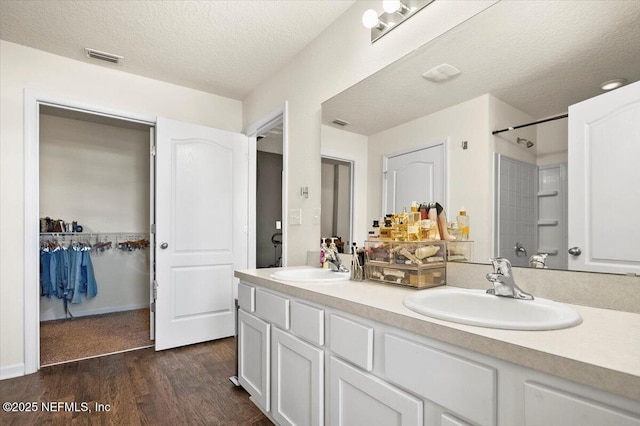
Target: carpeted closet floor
84 337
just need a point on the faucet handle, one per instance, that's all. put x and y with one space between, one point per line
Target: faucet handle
501 265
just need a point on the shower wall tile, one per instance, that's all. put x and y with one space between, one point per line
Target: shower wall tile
518 193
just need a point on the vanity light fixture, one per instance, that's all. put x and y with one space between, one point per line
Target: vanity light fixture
613 84
395 12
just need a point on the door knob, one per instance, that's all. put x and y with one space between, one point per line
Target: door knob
575 251
164 246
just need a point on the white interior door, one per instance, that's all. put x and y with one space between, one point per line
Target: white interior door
414 176
201 205
604 177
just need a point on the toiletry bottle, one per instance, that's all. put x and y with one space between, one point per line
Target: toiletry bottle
323 254
374 232
463 225
333 246
385 231
434 233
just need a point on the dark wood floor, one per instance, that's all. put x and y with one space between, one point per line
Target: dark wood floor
187 385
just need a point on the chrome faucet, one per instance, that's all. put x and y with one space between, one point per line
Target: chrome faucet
331 256
503 282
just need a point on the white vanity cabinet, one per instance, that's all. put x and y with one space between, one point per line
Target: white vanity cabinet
283 373
307 364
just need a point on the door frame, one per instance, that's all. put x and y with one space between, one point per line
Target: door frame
385 159
32 102
280 113
352 166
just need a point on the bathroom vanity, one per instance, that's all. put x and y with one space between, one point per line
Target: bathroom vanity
350 353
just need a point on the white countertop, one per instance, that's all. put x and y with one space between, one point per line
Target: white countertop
602 352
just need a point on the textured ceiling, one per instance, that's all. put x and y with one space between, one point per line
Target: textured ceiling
222 47
538 56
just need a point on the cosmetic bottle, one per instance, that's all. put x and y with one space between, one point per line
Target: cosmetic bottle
463 225
323 254
374 232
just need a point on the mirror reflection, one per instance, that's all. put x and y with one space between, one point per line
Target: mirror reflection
336 202
519 62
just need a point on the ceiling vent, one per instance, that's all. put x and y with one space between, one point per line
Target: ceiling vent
441 73
340 122
104 56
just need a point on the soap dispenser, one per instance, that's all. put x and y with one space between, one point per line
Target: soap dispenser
323 254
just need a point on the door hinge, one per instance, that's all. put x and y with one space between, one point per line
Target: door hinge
153 306
155 289
153 150
153 228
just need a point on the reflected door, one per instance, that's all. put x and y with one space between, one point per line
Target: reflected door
604 182
200 224
414 176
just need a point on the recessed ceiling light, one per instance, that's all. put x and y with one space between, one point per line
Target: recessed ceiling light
441 72
613 84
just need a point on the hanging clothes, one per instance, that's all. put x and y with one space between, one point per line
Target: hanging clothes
66 272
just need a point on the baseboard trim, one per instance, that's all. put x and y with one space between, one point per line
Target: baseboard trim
99 311
11 371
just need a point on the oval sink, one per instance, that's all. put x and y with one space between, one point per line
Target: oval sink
476 307
310 275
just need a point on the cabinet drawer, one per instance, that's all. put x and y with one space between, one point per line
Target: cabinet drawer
352 341
307 322
462 386
247 297
546 406
272 308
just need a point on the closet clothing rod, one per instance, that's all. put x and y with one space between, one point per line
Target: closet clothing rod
557 117
89 234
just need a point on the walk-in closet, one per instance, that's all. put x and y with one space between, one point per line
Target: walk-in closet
95 215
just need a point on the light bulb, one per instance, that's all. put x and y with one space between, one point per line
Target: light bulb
370 18
391 6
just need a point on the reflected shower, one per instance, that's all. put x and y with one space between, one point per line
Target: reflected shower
523 141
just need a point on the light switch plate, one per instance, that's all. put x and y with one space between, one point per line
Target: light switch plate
295 217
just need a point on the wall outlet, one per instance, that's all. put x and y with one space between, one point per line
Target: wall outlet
295 217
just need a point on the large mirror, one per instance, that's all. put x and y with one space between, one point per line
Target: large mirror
520 62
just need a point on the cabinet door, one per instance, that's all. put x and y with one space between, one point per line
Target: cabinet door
298 380
358 398
253 357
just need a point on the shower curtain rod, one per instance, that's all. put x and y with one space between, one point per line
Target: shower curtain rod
557 117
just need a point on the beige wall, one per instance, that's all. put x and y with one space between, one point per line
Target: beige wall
340 57
25 68
469 177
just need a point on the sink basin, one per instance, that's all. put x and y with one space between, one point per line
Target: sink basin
310 275
476 307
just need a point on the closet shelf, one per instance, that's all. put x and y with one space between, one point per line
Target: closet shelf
547 223
547 193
